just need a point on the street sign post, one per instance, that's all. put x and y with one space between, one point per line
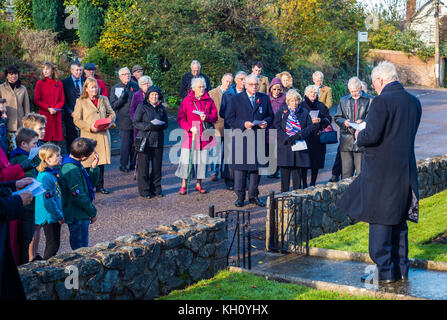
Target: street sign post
361 37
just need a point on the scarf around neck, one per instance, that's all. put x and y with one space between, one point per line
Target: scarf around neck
293 125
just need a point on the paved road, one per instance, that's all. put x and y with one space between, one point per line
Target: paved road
123 211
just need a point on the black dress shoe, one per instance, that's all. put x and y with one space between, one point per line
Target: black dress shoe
230 188
239 203
159 195
131 168
382 281
146 197
102 190
333 179
257 202
124 170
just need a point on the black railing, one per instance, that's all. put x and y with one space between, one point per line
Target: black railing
288 227
238 230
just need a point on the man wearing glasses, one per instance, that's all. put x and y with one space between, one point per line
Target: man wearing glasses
120 99
248 111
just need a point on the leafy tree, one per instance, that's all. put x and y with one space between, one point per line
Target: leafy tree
23 10
91 19
48 15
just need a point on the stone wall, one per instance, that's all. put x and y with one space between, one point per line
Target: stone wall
137 266
411 69
318 203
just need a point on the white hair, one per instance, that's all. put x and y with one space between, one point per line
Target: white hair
195 63
386 71
251 76
195 82
228 74
123 69
318 74
239 73
309 88
293 94
145 79
354 83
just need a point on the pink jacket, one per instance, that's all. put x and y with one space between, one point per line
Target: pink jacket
187 119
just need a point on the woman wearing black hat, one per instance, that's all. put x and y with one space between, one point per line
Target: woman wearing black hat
150 119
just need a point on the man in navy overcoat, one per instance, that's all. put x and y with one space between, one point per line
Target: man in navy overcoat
385 194
249 110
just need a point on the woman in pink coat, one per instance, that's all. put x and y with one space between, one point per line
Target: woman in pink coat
197 111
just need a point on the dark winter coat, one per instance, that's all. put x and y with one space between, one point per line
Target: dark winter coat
345 110
121 104
387 187
185 84
144 114
317 149
239 111
287 157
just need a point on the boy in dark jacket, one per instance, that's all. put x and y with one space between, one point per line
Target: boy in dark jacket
26 139
78 190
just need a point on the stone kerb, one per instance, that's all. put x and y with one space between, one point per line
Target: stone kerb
144 265
318 203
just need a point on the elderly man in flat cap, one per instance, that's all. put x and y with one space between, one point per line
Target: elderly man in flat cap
137 73
90 71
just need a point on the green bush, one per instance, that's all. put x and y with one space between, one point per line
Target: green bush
48 15
10 47
23 10
91 20
101 59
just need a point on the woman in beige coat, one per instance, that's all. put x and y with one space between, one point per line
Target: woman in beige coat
89 108
17 102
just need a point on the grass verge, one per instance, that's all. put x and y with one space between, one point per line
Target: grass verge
228 285
432 222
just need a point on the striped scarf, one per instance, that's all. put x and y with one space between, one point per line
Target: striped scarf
293 126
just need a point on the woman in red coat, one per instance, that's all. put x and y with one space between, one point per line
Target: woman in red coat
49 97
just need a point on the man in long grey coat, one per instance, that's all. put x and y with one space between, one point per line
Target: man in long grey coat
385 194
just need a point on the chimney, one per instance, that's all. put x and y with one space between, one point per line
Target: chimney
411 10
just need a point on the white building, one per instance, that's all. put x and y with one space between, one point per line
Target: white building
423 21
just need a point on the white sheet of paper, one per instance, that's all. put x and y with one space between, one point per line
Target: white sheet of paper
357 126
35 188
157 122
299 145
199 113
314 114
119 92
33 152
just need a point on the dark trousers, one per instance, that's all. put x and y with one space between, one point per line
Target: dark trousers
25 235
127 156
313 177
228 176
71 133
149 184
52 239
100 183
240 183
337 167
388 248
351 161
286 172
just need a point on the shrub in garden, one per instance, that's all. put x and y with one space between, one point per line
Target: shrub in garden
23 10
48 15
91 19
99 57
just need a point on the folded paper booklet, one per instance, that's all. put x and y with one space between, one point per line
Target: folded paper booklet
157 122
258 122
119 92
35 188
200 113
357 126
102 124
314 114
299 145
33 152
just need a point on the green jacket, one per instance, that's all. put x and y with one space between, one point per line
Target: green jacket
76 204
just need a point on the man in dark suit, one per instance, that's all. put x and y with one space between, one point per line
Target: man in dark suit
185 84
385 194
72 91
249 110
120 99
236 88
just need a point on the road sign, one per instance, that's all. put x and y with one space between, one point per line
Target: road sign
363 36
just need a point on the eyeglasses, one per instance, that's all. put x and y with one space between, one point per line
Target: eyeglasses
125 74
253 84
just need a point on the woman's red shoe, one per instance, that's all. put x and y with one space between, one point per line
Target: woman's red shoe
200 189
182 191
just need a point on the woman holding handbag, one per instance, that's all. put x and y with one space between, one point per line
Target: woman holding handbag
321 118
150 120
197 111
94 116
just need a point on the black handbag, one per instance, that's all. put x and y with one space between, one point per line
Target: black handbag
328 135
140 144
